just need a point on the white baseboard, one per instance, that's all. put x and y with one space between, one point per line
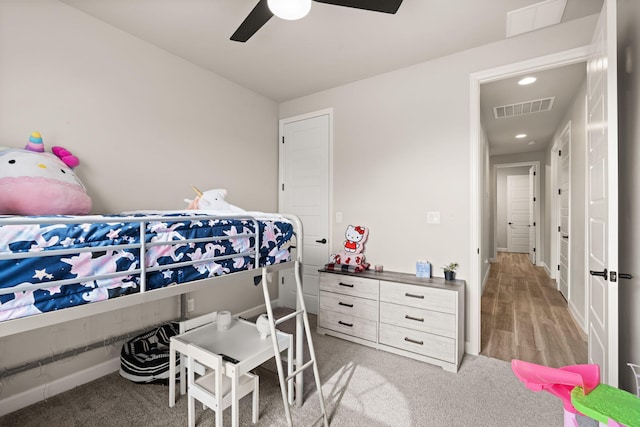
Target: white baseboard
45 391
502 250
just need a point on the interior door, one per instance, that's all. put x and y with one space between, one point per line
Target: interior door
602 144
518 213
304 191
532 215
564 198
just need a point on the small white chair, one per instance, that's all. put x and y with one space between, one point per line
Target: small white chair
214 388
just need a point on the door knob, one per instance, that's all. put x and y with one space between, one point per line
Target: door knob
323 241
625 276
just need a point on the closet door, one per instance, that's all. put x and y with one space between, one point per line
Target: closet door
304 191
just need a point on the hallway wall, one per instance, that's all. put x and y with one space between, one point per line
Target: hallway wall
577 230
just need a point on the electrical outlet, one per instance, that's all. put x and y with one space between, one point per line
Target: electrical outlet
191 305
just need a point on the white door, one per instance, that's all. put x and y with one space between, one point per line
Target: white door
532 215
602 144
304 191
564 198
518 213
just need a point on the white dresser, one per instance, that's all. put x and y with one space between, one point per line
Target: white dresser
396 312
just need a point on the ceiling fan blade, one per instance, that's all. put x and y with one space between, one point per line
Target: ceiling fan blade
386 6
253 22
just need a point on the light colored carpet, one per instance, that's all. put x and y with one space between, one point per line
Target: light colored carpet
362 387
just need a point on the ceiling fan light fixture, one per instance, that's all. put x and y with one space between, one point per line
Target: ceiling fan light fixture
290 9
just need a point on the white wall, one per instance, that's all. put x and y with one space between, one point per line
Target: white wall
629 211
408 131
146 125
576 114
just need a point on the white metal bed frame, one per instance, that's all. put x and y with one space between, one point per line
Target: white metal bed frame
24 324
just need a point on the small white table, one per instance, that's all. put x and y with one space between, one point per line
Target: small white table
241 343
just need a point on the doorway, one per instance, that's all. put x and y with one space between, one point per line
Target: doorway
480 268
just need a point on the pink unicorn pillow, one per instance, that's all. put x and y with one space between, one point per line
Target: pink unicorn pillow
33 182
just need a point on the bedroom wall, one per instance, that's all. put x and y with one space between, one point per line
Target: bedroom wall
146 125
409 132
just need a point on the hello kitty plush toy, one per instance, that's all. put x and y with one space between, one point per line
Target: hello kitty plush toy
352 253
355 239
34 182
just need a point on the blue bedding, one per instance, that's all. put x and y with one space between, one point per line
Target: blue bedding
26 286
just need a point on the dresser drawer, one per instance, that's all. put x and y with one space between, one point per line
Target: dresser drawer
349 285
435 346
346 304
419 296
351 325
433 322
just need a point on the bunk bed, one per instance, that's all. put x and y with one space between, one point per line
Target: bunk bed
62 268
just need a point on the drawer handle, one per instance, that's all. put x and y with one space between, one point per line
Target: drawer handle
417 319
413 341
345 304
348 285
345 324
407 294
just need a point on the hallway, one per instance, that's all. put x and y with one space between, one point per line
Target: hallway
525 317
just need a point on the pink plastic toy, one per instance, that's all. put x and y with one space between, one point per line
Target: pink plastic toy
559 382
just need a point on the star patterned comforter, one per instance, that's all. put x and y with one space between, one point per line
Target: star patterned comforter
52 266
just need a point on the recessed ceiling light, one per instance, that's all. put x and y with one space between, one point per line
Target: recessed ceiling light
521 135
532 143
527 81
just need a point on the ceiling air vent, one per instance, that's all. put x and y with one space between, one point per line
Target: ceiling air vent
528 107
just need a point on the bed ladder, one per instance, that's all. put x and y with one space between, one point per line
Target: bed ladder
299 314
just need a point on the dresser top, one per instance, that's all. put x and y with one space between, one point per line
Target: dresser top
392 276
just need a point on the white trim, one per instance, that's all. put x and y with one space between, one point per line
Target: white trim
566 130
500 250
45 391
546 62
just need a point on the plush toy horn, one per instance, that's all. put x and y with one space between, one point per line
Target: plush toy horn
198 192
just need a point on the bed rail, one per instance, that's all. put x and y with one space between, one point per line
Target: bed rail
13 326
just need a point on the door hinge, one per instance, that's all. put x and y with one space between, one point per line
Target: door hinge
534 199
283 190
282 280
559 191
534 173
558 229
534 249
283 139
559 152
478 251
558 267
613 276
534 223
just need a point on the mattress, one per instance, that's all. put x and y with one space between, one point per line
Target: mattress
50 265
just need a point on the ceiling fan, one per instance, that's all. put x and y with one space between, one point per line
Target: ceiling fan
261 14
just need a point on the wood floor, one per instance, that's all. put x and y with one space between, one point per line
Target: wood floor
525 317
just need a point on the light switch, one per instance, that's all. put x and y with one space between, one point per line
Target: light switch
433 217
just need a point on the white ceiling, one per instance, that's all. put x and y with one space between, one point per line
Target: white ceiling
330 47
562 83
